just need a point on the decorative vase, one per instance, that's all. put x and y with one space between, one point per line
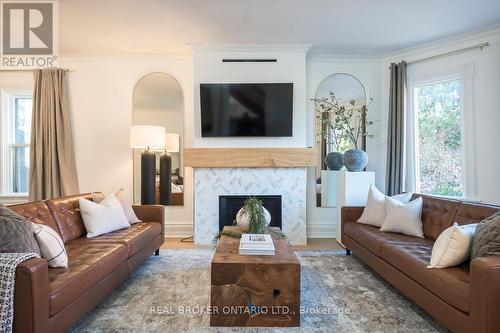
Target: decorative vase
355 159
333 161
243 221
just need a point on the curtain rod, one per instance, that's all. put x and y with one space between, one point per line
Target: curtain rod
465 49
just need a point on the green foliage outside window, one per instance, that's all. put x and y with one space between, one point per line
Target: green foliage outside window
439 138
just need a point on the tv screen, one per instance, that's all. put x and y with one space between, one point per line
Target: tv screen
246 109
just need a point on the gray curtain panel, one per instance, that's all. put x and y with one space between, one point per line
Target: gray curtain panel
396 130
52 161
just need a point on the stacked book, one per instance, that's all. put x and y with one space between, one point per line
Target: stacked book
256 244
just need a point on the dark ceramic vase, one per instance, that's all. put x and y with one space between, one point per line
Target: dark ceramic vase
355 160
333 161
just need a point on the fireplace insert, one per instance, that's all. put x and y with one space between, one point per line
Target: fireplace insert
229 205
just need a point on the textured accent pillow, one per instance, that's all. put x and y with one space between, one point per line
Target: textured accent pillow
97 197
453 246
403 197
104 217
374 212
487 237
51 245
16 233
403 218
127 207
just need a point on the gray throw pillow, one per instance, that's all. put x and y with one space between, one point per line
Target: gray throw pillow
486 240
16 233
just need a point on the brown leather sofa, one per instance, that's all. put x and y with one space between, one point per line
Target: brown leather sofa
53 299
464 298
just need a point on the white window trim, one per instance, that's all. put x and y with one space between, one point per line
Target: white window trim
7 103
466 77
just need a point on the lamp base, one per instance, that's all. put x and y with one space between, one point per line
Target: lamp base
148 177
165 178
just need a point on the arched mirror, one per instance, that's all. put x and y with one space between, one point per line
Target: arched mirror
158 101
338 96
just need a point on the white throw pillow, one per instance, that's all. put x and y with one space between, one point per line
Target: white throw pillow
104 217
453 246
51 245
403 197
403 218
374 211
127 207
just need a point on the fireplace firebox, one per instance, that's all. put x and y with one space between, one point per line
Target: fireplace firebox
229 205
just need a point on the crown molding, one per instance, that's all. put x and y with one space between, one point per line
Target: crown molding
443 43
181 55
327 57
262 48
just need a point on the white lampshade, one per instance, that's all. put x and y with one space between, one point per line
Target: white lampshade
142 136
172 142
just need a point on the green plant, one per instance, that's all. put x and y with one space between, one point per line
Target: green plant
342 125
254 211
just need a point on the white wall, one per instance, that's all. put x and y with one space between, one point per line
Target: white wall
484 107
101 106
290 67
321 222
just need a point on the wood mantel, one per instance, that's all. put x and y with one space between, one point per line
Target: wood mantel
249 157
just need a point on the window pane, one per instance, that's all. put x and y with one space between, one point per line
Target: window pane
20 169
22 119
439 138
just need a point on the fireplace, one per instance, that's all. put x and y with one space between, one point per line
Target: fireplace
229 205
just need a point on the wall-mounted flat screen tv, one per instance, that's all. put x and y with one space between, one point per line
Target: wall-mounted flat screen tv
246 109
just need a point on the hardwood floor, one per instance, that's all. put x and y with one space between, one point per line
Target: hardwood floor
312 244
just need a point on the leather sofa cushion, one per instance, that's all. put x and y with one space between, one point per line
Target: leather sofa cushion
135 238
66 213
89 263
474 213
452 284
373 239
437 214
36 212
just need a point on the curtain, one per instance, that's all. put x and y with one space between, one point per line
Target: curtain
52 161
396 130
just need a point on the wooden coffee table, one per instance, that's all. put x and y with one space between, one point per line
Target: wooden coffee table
262 291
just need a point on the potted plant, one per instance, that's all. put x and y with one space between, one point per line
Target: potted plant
251 218
343 127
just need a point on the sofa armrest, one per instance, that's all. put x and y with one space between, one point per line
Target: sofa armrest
31 296
485 294
349 214
152 213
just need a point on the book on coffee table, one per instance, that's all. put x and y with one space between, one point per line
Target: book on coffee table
256 244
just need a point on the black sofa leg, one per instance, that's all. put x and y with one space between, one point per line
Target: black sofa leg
347 252
157 252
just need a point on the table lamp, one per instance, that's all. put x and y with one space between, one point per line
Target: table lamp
171 146
149 138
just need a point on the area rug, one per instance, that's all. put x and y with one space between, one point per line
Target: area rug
171 292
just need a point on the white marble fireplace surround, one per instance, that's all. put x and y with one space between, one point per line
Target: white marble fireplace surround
210 183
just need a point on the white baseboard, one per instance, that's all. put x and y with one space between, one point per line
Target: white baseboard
321 231
178 230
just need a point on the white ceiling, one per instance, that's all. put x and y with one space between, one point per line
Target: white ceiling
364 27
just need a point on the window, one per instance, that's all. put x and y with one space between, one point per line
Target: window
439 138
16 133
